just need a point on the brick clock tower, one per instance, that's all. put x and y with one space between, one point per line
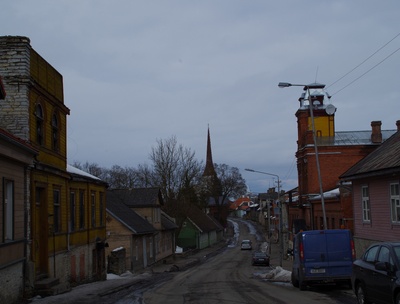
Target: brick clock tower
324 124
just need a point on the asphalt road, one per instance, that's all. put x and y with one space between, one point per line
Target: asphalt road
229 278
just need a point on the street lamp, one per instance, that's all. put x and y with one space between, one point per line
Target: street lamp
280 216
311 105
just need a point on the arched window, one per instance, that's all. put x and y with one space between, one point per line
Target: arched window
55 133
39 124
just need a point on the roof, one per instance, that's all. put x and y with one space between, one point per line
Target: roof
348 138
385 159
201 220
138 197
167 223
18 141
242 203
127 216
76 171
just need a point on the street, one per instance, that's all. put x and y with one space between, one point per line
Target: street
228 277
222 275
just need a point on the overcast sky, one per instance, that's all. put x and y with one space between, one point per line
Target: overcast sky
138 71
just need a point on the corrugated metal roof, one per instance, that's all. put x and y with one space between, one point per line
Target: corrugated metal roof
348 138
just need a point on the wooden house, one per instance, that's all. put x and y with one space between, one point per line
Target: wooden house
198 230
16 160
66 220
147 202
375 184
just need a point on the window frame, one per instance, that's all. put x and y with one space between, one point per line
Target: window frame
394 202
365 204
8 210
57 225
93 208
72 210
39 114
81 209
55 132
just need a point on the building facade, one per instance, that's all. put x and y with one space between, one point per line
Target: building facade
65 221
337 152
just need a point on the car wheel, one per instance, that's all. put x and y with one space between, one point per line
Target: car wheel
361 295
302 285
295 282
398 299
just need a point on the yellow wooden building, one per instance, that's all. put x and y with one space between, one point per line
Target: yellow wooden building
65 222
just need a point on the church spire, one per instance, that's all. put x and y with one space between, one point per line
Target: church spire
209 170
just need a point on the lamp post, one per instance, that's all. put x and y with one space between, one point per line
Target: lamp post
311 106
280 215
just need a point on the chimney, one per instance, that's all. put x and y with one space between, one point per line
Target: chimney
398 125
376 136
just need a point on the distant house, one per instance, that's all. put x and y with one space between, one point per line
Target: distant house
198 230
127 229
146 203
376 194
240 207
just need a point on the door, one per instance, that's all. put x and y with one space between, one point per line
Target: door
40 231
382 280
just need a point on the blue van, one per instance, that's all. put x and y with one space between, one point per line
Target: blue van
322 256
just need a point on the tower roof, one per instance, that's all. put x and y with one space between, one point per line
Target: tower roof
209 170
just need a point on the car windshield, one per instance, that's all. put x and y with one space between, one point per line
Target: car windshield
259 254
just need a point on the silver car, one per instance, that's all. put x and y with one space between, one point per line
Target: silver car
246 245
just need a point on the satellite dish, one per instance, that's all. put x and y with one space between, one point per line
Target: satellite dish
330 109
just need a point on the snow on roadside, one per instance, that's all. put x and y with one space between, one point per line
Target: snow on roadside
278 274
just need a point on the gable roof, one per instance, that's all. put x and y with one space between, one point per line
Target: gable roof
138 197
383 160
201 220
127 216
167 223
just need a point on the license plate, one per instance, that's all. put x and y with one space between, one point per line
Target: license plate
319 270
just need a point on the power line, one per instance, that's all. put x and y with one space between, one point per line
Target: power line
367 71
363 63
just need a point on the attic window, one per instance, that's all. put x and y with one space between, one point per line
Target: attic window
184 224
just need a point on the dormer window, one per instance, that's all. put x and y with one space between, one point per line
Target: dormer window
55 132
39 124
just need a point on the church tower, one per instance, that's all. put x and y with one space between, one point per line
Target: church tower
209 169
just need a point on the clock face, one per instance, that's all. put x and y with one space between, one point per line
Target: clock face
330 109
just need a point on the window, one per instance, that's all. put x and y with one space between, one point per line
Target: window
8 208
370 255
395 202
54 133
56 211
72 211
39 124
365 204
93 197
81 209
101 209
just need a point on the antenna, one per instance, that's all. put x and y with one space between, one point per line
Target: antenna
316 74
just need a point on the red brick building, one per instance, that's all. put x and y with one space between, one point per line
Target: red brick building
337 152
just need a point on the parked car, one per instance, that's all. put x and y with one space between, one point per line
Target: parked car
322 256
246 245
259 258
376 275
